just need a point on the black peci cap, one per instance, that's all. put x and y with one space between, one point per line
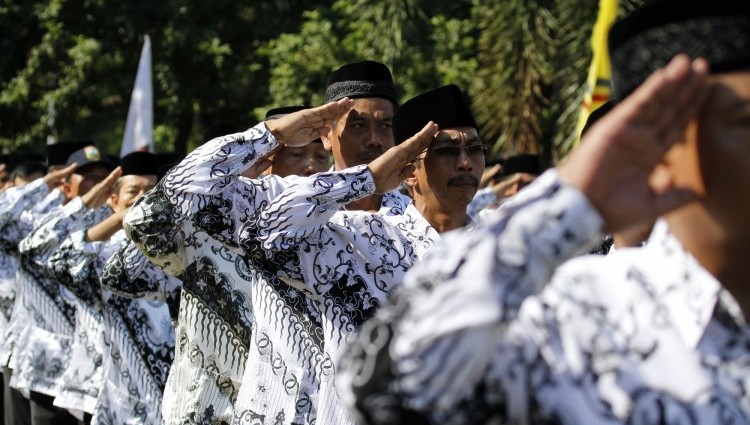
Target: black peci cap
648 38
361 79
140 164
445 106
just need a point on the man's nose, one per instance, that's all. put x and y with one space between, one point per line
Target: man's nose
463 162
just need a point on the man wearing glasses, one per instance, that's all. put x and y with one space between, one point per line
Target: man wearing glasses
447 174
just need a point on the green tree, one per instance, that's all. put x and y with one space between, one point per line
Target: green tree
425 44
82 56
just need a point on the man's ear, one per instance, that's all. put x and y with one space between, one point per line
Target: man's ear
680 165
66 188
113 198
411 179
327 142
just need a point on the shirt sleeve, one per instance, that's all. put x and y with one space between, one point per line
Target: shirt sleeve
427 353
44 240
304 206
483 199
13 203
156 227
77 265
208 189
130 274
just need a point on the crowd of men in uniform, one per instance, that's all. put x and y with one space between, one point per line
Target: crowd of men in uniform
336 265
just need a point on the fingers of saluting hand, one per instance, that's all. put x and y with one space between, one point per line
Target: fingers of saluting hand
325 113
110 180
614 162
55 178
98 194
667 100
416 144
301 127
318 119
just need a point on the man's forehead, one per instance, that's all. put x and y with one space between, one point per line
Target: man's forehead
137 179
457 135
730 92
371 107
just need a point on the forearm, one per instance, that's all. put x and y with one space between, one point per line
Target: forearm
213 169
155 227
77 265
306 205
42 242
104 230
129 273
13 203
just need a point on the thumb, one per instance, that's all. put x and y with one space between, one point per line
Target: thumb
408 170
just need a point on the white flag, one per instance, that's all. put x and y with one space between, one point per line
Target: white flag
139 128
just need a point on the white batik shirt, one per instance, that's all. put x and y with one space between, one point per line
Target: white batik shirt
214 322
61 355
478 335
138 335
19 207
297 228
279 384
129 274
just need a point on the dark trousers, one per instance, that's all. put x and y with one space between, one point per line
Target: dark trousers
44 413
16 408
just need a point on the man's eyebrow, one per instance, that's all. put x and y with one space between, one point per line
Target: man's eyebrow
474 140
355 117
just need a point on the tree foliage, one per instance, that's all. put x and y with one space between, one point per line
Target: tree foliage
521 63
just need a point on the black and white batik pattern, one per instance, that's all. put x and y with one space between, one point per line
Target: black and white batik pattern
138 336
484 333
286 338
53 310
214 322
19 207
82 377
297 229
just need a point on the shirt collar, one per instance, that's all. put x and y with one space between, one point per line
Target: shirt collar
394 203
686 290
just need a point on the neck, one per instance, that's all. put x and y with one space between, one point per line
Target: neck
441 219
723 253
369 203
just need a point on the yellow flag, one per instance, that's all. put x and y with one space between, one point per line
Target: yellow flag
598 84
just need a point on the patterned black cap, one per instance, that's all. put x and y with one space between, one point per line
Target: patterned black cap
88 157
648 38
445 106
361 79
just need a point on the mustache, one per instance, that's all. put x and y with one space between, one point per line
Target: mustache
371 153
463 179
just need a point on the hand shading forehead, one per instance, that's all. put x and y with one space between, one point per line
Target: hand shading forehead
370 109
